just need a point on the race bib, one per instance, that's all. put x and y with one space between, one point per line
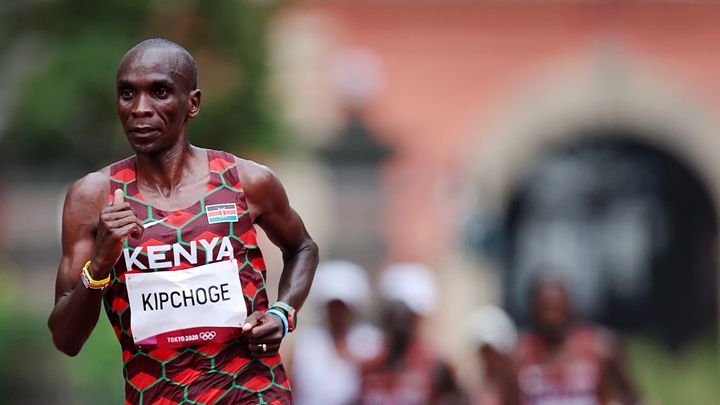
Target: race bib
180 308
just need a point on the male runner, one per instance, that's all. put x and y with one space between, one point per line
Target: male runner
566 362
328 358
408 372
166 241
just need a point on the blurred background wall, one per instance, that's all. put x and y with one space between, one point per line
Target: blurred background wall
571 137
490 140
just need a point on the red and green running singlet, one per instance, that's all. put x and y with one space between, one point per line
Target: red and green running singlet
216 373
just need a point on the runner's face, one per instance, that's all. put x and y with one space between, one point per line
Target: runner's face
155 99
552 311
400 322
340 316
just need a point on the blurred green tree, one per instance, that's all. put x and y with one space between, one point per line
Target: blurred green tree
57 113
64 115
30 371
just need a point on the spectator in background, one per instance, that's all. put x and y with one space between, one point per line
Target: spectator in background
495 337
565 361
327 359
408 372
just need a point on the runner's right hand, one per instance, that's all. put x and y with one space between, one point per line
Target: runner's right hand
117 221
262 328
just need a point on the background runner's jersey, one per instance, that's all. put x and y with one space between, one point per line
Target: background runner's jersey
222 373
410 385
572 377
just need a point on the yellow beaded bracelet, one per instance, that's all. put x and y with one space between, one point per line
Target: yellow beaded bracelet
93 284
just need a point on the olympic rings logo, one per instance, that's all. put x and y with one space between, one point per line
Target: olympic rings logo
207 335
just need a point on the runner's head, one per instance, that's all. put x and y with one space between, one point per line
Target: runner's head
413 284
156 94
551 309
490 326
495 337
341 290
410 293
182 59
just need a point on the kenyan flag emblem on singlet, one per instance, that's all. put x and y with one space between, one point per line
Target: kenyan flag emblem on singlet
221 213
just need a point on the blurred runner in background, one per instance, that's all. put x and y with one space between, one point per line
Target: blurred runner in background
409 373
566 361
327 359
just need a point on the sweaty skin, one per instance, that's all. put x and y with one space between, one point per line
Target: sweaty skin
155 99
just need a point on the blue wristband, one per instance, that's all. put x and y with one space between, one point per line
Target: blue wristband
280 314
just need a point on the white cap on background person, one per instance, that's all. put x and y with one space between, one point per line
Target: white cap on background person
341 280
493 327
411 283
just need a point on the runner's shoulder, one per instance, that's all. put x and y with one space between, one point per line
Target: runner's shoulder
594 340
93 188
254 175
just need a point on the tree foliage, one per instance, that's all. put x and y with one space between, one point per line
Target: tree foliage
65 114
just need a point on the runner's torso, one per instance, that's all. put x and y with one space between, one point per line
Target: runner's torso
572 377
409 385
214 229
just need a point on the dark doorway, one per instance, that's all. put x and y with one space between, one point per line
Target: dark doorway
631 229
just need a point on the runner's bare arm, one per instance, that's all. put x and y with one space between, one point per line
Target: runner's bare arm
90 231
619 382
270 209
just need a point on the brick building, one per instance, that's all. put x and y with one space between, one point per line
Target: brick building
481 100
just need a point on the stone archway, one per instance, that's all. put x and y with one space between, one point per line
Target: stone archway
630 228
574 106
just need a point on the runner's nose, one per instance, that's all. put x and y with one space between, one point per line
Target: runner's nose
142 106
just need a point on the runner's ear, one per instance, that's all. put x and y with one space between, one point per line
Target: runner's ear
118 197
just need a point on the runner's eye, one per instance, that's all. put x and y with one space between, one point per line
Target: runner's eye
162 93
126 94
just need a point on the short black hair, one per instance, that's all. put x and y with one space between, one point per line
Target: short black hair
166 43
